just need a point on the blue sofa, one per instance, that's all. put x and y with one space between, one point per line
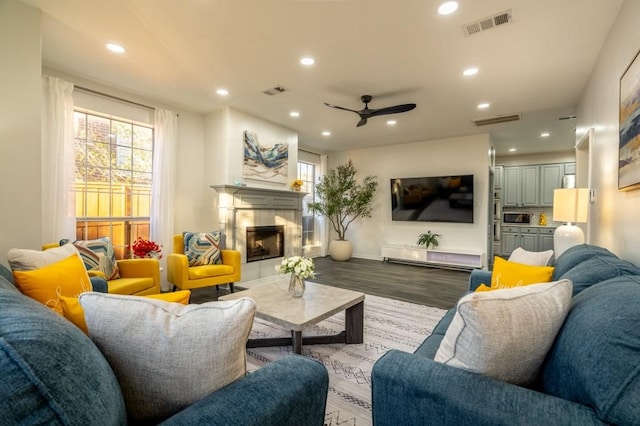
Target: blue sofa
51 373
591 375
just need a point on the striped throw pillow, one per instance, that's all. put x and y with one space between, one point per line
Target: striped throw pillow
202 248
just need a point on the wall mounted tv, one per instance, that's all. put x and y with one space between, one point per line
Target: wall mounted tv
433 199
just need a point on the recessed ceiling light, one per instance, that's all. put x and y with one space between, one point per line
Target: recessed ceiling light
307 60
470 71
484 105
545 135
448 7
512 150
294 114
116 48
222 92
326 133
391 122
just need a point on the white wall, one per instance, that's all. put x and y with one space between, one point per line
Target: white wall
20 94
462 155
523 160
614 222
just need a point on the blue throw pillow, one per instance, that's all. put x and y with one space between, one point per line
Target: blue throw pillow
51 372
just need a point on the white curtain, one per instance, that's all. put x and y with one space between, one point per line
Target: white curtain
323 223
162 188
57 161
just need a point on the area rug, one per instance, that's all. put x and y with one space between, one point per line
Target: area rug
388 324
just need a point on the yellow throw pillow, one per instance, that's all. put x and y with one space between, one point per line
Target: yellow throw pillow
67 277
483 287
511 274
72 309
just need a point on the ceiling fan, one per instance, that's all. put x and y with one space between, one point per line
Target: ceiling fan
367 113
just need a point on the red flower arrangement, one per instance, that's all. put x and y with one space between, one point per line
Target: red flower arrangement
142 248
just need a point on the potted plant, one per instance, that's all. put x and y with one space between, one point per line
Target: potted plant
342 200
428 239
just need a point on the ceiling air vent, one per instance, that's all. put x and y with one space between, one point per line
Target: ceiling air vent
487 23
274 90
497 119
568 117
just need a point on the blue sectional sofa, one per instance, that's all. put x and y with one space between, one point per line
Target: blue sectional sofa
591 375
52 373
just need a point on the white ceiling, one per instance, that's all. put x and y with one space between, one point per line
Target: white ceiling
179 52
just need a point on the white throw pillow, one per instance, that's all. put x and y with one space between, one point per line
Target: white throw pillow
506 334
533 258
28 260
167 356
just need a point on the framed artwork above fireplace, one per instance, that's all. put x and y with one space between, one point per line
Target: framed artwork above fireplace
266 163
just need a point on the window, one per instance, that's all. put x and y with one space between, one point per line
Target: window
113 175
307 174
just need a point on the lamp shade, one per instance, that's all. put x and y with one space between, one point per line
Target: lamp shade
571 205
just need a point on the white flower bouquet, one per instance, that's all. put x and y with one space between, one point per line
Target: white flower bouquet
299 266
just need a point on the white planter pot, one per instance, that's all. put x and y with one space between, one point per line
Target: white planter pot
340 250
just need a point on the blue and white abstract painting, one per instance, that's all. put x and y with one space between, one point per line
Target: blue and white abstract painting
265 163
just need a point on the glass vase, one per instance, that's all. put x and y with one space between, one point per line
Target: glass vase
296 286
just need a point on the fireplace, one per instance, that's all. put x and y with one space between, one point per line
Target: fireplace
264 242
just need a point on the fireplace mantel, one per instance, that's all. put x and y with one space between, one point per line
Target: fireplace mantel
240 207
246 197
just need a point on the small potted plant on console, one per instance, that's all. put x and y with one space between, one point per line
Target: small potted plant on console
428 239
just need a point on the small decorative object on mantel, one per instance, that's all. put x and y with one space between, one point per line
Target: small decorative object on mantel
145 249
300 269
428 239
296 185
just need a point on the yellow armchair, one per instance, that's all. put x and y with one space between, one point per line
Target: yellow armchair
138 277
184 277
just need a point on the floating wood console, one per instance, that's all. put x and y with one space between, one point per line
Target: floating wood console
455 259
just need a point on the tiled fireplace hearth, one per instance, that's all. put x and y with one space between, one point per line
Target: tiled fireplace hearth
241 208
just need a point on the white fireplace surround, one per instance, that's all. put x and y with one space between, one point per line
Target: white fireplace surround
243 206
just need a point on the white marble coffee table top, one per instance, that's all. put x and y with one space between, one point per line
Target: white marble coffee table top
275 304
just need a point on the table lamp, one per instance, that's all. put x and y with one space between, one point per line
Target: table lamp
570 205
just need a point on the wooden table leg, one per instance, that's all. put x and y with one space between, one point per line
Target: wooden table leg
296 338
354 323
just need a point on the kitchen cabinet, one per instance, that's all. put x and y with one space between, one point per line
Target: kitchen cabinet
519 236
533 185
530 238
569 168
520 186
545 238
497 177
550 179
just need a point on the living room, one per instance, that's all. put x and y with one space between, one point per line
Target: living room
210 153
611 221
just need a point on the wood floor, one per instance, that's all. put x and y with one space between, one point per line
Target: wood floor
440 288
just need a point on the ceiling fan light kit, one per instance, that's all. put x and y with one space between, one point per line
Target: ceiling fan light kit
367 113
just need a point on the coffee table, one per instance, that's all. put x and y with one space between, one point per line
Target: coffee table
274 304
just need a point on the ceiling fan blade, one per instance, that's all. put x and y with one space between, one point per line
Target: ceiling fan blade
339 107
389 110
362 122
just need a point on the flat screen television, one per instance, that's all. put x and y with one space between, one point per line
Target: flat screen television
433 199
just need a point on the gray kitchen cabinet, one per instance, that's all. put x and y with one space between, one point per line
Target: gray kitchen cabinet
545 239
550 179
511 191
569 168
497 177
520 186
532 185
519 236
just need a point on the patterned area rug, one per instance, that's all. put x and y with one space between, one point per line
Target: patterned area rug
388 324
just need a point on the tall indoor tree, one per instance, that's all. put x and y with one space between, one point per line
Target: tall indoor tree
342 199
